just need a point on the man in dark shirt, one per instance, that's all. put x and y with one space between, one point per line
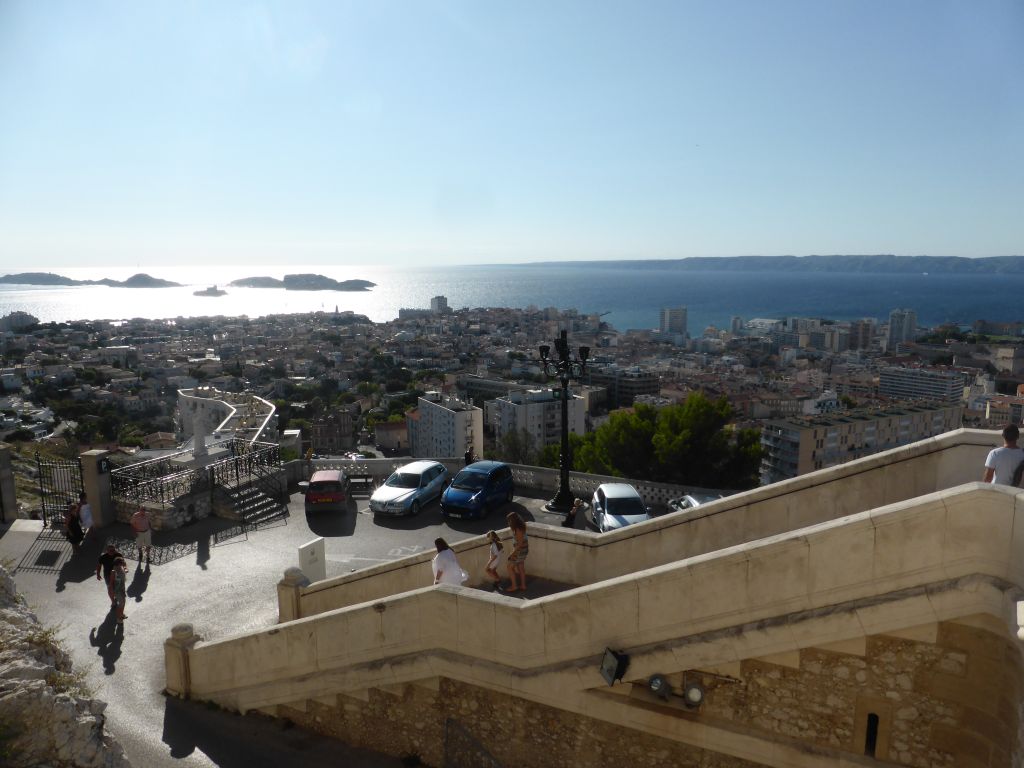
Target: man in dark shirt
106 564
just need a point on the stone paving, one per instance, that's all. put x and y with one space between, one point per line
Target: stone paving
222 579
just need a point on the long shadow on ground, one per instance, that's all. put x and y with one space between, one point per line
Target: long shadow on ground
256 741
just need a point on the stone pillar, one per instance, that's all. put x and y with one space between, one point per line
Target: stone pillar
289 590
8 497
176 649
96 483
198 436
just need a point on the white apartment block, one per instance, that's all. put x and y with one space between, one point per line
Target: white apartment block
444 427
944 386
539 413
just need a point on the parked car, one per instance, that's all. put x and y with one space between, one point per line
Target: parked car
327 492
410 488
477 489
691 500
614 506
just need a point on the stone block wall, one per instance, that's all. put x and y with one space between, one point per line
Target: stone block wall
411 721
948 702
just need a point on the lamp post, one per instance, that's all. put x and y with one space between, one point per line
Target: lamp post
565 368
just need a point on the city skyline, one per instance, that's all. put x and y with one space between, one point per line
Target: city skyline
476 133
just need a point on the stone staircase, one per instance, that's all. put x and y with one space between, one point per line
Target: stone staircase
250 504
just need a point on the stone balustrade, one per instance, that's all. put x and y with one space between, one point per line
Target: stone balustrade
576 557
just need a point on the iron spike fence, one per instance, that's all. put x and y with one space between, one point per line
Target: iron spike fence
60 483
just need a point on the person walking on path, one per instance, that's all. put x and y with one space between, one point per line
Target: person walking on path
84 514
143 533
117 583
1002 463
105 562
520 549
496 555
446 568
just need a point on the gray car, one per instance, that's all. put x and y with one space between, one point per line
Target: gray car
616 505
410 488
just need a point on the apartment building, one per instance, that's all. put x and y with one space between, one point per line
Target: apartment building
333 433
902 327
673 320
934 384
539 413
795 446
624 384
444 427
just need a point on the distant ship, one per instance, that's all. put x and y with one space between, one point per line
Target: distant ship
213 290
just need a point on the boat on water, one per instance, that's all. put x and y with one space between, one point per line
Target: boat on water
213 290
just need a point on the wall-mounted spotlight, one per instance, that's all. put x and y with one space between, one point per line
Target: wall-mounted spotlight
613 665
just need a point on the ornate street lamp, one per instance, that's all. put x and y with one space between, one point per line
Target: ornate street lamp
565 368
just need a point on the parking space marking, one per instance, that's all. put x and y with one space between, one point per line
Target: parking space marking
408 549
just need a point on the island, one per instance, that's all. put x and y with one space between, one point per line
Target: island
213 290
48 278
303 282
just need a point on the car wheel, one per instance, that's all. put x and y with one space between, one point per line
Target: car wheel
414 509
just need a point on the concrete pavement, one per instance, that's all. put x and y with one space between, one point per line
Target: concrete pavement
222 580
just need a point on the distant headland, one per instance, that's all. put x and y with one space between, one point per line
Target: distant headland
867 264
48 278
304 282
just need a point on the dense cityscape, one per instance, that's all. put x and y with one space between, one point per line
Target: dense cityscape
818 392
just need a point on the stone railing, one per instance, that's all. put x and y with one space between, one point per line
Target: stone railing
576 557
930 559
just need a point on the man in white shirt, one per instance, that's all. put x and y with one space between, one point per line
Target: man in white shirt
1003 462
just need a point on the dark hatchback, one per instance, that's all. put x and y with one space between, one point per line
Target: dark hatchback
477 489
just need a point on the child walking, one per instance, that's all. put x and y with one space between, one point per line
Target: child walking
497 554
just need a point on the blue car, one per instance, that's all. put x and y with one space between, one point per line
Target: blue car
477 489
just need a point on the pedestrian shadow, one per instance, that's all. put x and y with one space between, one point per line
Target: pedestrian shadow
107 639
78 567
140 581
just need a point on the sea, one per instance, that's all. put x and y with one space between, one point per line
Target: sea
627 298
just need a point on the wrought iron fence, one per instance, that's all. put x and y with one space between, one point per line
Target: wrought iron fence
60 482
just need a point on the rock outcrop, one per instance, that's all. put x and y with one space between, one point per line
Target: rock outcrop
46 718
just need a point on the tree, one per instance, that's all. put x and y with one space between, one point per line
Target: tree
517 447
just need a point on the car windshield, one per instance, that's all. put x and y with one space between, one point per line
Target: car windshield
630 507
403 480
470 481
325 487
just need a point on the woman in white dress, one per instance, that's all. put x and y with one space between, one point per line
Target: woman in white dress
446 568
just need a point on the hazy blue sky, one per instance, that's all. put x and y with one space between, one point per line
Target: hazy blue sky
390 132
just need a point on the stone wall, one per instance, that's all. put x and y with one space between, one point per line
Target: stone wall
45 718
516 732
951 701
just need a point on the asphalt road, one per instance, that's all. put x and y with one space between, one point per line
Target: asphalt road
223 581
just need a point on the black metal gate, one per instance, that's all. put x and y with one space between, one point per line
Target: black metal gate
60 482
462 750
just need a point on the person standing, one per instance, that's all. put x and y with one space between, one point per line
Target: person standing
117 584
570 518
1002 463
84 514
446 568
495 556
468 456
105 563
143 532
73 526
520 549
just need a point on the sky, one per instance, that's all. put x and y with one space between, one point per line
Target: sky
428 131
